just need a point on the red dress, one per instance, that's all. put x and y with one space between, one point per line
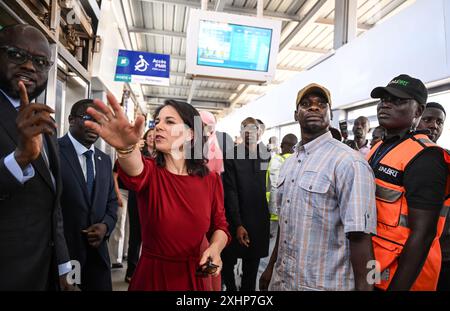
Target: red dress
176 214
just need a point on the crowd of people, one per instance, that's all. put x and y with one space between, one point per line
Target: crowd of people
318 212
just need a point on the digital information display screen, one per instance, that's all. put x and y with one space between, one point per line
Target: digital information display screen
233 46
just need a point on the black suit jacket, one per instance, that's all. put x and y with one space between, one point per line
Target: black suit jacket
78 211
31 230
244 182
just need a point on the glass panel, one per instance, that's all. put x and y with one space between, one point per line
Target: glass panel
59 107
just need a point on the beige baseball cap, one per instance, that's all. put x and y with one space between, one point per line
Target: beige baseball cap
313 87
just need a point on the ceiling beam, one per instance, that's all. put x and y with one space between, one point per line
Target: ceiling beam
330 22
200 89
231 9
197 105
289 68
306 49
218 101
155 32
252 12
177 74
167 33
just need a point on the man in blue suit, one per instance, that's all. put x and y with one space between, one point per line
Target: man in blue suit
89 203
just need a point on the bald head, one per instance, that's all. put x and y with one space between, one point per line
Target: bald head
21 46
361 127
14 33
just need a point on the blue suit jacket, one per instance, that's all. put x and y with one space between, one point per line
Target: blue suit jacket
78 211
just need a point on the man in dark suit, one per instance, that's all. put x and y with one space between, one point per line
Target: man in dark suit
89 202
32 245
244 182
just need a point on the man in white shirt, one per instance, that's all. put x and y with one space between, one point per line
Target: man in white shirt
360 129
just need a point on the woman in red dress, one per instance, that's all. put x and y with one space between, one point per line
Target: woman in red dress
180 202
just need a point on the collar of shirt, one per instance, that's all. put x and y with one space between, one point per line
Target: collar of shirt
14 102
405 135
79 148
366 145
315 143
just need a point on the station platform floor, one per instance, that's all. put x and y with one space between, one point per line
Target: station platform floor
118 278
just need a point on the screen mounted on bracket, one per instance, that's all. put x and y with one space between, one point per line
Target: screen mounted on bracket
226 46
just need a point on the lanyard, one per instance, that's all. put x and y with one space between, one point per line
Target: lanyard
377 156
374 161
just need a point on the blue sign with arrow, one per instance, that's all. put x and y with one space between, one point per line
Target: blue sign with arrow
143 67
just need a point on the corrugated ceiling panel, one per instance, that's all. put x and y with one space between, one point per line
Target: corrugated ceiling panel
238 3
172 17
373 8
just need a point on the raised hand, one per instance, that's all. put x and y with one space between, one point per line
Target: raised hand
32 121
113 126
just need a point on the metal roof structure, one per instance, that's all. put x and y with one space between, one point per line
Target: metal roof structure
308 36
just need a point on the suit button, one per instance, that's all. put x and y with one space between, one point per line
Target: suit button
51 244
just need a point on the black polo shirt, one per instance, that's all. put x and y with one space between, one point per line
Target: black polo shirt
424 178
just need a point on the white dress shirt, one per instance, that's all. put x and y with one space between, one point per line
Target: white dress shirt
80 149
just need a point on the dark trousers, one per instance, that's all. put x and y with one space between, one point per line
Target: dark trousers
95 273
444 277
134 242
249 272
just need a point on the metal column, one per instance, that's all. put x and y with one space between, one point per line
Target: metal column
345 22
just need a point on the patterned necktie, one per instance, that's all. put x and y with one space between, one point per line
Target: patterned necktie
89 172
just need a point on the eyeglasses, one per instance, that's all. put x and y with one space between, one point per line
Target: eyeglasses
85 117
207 269
19 57
394 100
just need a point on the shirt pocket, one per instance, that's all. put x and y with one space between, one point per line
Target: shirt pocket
315 188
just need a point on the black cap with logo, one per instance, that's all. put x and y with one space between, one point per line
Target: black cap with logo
404 87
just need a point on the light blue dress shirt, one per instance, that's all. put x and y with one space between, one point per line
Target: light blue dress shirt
26 174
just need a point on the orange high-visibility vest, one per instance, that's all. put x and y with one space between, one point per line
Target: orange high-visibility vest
392 213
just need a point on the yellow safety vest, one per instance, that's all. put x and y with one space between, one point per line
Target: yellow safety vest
282 157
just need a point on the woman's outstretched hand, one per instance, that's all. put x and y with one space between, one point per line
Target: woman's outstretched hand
113 125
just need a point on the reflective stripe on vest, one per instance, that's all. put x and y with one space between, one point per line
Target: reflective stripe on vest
386 194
